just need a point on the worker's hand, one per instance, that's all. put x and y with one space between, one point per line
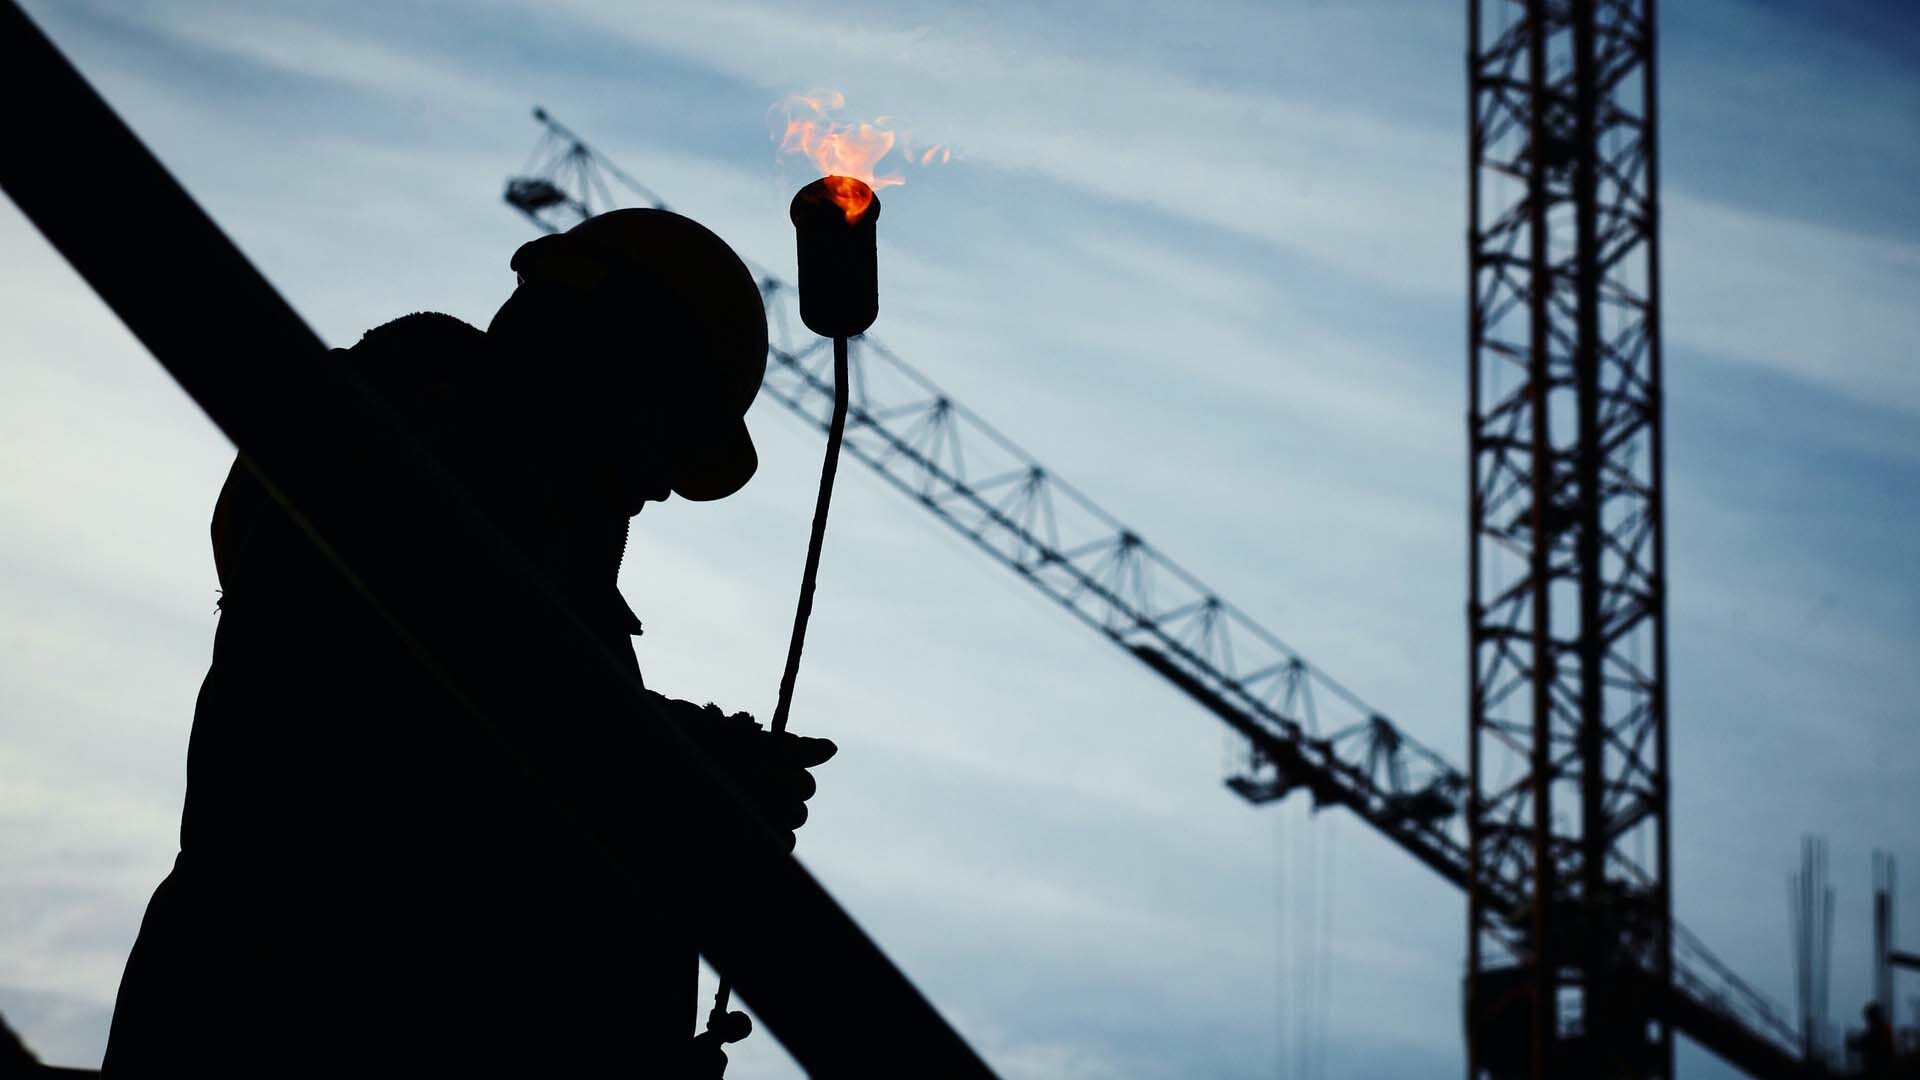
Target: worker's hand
773 773
771 770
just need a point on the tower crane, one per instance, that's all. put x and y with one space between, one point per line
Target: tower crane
1303 729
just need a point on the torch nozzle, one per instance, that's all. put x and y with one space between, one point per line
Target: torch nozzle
834 225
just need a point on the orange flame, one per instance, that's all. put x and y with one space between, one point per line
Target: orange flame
845 150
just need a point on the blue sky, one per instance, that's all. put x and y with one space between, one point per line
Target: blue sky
1206 265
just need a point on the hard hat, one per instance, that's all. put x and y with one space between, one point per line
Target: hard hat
719 345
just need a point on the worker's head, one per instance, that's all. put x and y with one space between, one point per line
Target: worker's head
653 340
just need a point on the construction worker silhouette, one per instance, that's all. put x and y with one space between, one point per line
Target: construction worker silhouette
364 886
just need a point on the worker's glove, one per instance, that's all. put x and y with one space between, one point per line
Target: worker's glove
770 770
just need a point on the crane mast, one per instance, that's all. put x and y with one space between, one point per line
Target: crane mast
1304 730
1567 612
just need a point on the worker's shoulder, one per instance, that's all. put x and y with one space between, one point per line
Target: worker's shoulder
422 364
422 330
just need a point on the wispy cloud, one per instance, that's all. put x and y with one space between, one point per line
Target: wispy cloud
308 46
1830 306
1351 189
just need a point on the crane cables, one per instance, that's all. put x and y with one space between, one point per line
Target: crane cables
1304 877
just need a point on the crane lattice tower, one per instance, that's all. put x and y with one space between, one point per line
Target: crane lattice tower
1568 975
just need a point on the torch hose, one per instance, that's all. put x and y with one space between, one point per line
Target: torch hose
836 430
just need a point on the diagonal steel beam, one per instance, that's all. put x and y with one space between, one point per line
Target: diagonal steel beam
510 652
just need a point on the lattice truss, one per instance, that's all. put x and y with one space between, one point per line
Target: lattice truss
1304 729
1550 483
1567 637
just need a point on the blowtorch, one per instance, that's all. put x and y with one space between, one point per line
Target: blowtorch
834 227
